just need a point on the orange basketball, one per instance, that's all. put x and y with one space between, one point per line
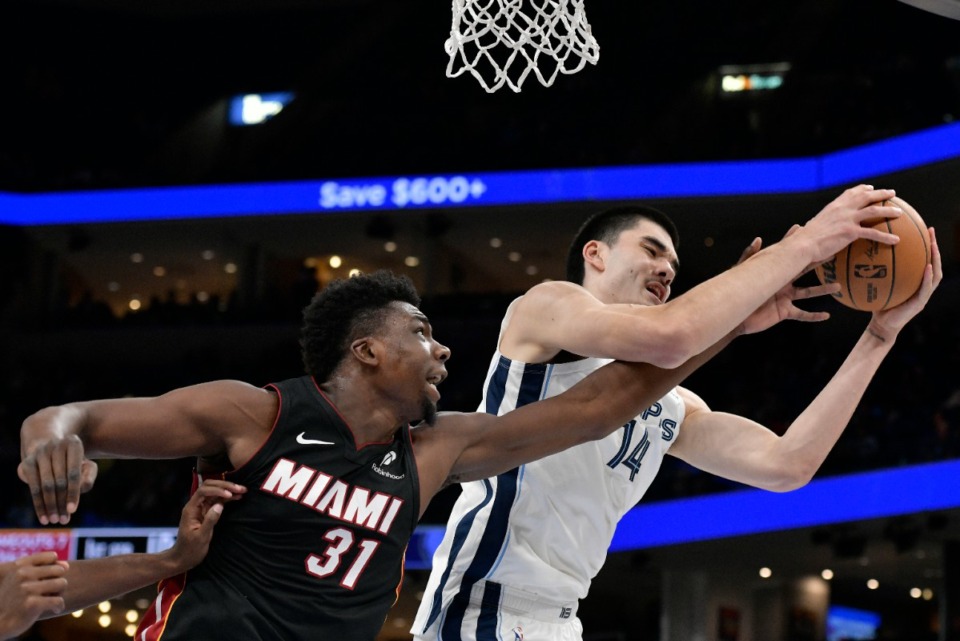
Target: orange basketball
874 276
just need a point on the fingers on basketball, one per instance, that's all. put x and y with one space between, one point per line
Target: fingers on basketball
874 276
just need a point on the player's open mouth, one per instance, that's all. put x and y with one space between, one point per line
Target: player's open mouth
657 290
434 380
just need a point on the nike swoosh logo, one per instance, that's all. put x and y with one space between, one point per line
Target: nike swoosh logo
309 441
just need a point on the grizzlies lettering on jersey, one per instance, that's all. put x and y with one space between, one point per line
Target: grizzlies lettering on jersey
314 550
519 537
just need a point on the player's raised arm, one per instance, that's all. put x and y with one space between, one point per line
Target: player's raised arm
552 316
742 450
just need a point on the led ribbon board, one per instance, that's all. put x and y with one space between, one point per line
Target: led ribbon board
487 189
842 499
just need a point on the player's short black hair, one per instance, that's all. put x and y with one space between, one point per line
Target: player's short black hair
345 310
606 226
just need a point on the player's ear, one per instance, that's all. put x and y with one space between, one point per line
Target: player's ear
593 255
367 350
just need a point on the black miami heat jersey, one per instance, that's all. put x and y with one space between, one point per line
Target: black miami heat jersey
314 550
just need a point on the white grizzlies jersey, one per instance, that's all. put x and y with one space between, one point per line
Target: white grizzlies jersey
545 527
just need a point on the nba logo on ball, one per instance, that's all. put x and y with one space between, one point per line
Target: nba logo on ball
869 271
874 276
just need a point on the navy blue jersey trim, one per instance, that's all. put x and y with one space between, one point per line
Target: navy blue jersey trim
495 534
488 623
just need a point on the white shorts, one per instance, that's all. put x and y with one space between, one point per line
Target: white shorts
519 618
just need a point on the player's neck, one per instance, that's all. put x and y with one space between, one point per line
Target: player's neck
370 417
599 292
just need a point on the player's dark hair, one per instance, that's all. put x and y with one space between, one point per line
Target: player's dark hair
606 226
346 310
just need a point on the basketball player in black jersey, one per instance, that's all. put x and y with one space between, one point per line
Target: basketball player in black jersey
337 475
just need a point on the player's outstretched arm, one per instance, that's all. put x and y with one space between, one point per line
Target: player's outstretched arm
200 420
465 447
562 316
741 450
90 581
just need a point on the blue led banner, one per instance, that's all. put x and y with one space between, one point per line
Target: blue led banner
840 499
843 499
486 189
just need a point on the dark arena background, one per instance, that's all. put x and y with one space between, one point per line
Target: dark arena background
178 178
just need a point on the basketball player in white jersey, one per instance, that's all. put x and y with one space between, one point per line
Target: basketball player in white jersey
521 549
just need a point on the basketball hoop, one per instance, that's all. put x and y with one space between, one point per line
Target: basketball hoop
945 8
546 37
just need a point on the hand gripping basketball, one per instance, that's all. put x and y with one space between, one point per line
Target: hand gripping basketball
873 276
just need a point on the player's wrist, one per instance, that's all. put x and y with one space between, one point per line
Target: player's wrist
881 332
173 561
801 245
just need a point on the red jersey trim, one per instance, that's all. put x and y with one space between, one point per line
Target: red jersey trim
154 620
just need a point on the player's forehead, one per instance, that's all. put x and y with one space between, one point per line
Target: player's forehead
646 229
407 312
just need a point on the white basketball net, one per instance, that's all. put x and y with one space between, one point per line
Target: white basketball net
546 37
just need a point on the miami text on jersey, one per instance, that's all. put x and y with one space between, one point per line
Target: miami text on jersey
333 497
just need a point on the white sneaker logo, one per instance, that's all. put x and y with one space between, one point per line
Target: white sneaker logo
309 441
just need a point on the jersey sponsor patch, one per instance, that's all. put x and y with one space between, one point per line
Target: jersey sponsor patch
388 458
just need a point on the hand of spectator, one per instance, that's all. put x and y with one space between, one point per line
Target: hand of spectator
30 587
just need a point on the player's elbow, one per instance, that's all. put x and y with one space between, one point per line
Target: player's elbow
672 359
38 420
675 347
791 477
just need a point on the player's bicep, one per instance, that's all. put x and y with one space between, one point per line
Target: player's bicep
566 317
497 444
458 447
442 450
549 318
195 420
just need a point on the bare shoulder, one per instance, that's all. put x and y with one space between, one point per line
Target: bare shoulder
551 292
536 324
233 388
242 414
228 400
551 302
